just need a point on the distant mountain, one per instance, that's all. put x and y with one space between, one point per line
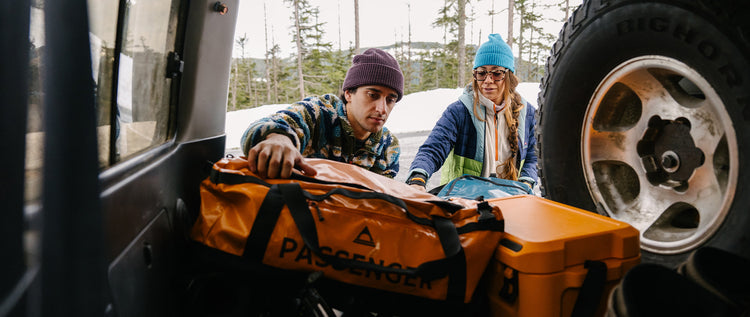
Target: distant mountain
414 45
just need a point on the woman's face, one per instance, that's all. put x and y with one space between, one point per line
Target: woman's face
491 82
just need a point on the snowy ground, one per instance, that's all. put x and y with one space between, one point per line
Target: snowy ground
411 120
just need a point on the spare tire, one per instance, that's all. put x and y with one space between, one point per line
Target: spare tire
644 116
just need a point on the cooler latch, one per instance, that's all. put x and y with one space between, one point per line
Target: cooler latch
509 292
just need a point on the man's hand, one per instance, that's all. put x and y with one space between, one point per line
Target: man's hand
276 157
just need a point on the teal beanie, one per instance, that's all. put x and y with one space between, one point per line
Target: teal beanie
495 52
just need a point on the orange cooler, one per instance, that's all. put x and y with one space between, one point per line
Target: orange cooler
538 269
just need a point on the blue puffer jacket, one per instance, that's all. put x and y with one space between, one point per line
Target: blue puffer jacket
453 143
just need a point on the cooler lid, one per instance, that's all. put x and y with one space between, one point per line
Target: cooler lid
543 236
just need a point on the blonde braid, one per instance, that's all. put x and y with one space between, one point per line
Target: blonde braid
512 111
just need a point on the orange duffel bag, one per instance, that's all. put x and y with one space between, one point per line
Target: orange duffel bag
352 225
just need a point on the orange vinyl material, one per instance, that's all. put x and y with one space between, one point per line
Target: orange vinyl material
367 230
555 240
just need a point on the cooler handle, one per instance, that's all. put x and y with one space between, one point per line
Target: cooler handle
592 289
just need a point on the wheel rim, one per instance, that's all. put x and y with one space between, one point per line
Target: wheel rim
659 152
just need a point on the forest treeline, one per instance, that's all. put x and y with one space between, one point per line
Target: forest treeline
316 67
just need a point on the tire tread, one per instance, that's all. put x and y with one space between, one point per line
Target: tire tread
735 15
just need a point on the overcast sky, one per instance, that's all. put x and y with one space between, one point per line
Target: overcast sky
382 22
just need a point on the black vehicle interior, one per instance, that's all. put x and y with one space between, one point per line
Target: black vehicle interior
101 172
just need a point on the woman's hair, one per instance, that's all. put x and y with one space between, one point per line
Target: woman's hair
514 104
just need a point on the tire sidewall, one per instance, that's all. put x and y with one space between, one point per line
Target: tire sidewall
617 34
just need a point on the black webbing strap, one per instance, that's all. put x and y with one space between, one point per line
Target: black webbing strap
448 236
370 195
448 206
362 195
265 222
218 177
301 214
453 265
268 215
486 221
294 197
592 289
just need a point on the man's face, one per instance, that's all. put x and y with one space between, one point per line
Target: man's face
368 108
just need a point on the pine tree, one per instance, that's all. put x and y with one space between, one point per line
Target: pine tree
272 69
297 6
317 57
533 43
461 41
266 61
511 5
233 87
237 81
452 67
406 67
317 68
356 27
492 13
311 50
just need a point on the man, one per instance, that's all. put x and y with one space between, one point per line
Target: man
346 129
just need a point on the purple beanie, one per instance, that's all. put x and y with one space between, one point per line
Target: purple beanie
375 67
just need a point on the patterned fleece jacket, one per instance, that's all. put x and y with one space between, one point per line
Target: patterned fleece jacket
319 128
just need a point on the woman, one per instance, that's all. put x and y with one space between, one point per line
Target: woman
489 131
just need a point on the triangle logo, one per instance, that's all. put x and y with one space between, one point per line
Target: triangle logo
365 238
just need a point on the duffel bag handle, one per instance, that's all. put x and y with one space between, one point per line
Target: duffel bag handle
292 194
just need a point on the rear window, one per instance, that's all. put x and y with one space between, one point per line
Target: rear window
129 53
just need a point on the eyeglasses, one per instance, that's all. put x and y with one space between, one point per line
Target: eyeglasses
497 75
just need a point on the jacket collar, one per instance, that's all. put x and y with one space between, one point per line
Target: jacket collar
467 98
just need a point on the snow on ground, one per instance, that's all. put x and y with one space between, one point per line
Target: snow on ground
415 112
237 122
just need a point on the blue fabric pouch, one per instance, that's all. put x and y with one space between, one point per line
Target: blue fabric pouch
472 187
